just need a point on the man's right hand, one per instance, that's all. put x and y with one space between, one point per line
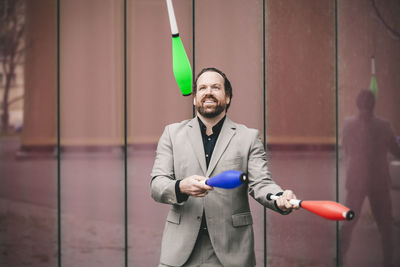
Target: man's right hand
194 186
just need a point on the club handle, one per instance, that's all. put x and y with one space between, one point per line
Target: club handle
373 65
291 201
172 19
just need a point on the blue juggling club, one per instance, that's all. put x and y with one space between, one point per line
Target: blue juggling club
228 179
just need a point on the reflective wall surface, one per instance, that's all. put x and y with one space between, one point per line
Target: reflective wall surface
301 126
98 90
242 63
154 100
369 123
91 133
28 162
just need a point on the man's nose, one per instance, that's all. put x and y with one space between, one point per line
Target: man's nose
208 90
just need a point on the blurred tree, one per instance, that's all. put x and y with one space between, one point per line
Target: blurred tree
12 50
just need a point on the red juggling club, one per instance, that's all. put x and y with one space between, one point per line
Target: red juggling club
328 209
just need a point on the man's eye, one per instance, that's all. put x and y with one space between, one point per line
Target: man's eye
216 87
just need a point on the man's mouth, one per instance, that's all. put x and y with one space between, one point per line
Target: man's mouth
210 101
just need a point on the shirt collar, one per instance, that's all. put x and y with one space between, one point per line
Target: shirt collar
216 129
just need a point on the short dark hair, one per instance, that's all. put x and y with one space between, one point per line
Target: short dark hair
366 100
227 83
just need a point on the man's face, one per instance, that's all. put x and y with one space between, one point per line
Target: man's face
210 99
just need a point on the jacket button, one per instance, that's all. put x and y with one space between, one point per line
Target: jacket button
199 218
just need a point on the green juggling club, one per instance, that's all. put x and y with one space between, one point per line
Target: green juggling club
180 62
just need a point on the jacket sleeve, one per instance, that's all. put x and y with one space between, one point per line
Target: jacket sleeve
163 179
260 181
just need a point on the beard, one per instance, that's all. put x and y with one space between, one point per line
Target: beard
210 112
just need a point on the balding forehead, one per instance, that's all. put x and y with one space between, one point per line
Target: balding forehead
210 77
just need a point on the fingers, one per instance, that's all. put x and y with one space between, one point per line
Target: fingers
201 185
195 186
284 203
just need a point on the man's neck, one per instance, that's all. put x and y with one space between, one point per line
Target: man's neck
211 122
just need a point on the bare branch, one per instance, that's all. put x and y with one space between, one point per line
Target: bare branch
12 49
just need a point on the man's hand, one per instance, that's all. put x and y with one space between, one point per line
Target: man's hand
194 186
283 201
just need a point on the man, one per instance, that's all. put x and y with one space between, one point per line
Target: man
367 141
211 226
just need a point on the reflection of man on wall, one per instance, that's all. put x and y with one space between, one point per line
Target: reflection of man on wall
206 226
367 140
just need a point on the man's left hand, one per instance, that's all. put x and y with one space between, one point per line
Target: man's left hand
283 201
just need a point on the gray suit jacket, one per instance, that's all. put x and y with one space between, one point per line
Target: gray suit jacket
180 153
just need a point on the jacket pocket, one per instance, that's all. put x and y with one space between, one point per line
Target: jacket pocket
174 217
242 219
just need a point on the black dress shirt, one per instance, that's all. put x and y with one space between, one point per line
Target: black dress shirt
209 141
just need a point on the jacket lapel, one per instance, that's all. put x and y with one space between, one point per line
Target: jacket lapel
227 132
195 139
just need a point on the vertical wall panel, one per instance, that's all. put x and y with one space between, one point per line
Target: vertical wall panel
369 166
229 37
301 126
28 167
154 100
91 119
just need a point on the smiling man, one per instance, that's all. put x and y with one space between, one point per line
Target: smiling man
211 226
